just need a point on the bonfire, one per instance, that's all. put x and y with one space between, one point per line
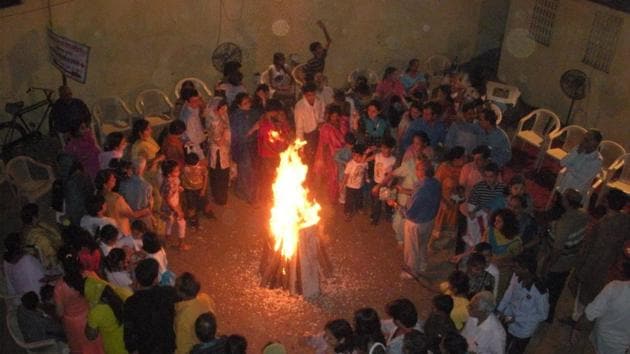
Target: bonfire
291 259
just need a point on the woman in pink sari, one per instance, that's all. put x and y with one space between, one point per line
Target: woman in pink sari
331 139
72 308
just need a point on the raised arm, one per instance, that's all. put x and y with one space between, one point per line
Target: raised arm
321 25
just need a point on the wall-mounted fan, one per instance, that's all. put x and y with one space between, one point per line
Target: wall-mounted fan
224 53
574 84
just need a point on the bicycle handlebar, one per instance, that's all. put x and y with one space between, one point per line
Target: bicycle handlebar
47 91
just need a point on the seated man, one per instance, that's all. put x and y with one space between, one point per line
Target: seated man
192 305
483 330
582 164
34 323
495 138
39 236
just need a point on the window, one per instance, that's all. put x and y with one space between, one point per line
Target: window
541 25
602 42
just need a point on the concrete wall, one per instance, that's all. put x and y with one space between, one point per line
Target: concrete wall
537 69
153 43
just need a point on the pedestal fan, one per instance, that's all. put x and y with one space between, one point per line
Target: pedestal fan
574 84
226 52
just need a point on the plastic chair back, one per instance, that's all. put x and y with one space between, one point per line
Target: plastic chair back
573 137
153 102
610 151
200 85
112 110
43 346
31 179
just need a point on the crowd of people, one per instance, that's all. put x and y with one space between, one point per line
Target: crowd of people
429 160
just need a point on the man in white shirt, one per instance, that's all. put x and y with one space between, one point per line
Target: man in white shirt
483 330
582 164
309 114
611 312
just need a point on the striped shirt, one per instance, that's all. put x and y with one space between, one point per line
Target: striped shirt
567 234
315 65
482 195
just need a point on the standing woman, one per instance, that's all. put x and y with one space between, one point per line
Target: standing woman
219 140
117 207
448 174
502 235
72 307
331 139
242 127
143 145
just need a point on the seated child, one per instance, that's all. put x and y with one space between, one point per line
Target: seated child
108 236
34 323
151 245
116 270
206 330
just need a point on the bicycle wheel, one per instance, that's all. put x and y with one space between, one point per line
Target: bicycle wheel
11 134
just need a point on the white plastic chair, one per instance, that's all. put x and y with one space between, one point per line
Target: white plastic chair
155 106
435 66
502 93
111 114
200 85
42 346
497 110
572 134
545 123
610 152
370 75
30 179
613 181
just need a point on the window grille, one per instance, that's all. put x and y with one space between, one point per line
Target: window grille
541 25
602 41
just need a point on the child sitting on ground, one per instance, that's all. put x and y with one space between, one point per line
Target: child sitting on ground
108 236
171 207
116 270
195 183
151 245
354 177
342 156
206 331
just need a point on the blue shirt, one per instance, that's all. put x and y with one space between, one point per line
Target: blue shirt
463 134
497 140
528 307
342 156
136 191
425 202
436 131
375 129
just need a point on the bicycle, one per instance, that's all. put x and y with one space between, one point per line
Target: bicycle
18 130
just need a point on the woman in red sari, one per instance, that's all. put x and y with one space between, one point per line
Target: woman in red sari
331 139
274 136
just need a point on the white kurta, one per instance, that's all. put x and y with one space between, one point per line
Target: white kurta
611 312
307 116
486 338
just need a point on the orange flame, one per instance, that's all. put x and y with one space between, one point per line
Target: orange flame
292 211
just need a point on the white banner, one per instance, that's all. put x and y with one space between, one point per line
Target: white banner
69 56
